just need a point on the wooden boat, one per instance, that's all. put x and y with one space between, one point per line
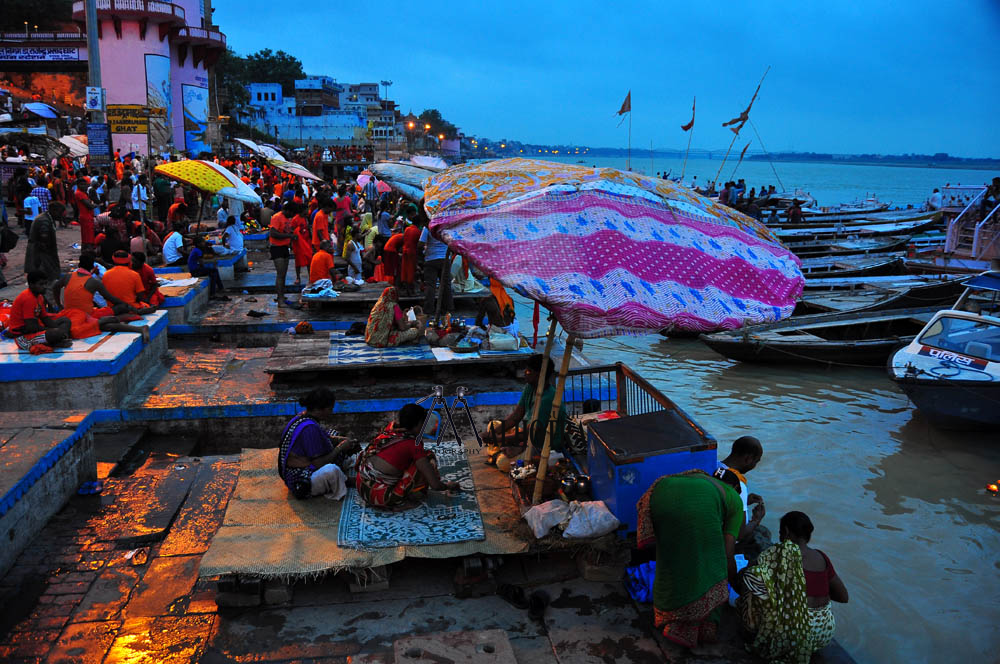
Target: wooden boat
896 217
951 369
844 338
877 293
852 266
844 231
849 246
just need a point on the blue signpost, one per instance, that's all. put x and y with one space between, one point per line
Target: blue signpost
99 142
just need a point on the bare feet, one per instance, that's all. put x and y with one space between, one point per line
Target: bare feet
146 338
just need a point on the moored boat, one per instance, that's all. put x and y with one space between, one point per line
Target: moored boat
951 369
849 246
844 338
851 266
866 227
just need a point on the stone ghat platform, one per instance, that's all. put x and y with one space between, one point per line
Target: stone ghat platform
296 357
96 372
186 301
233 322
44 457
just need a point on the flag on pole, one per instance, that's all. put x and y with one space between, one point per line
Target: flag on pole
689 125
626 105
736 124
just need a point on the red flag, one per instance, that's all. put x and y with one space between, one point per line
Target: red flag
626 105
742 118
690 124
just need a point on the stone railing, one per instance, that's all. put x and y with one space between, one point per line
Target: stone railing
201 35
140 8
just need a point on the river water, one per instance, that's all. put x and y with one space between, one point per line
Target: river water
900 507
830 184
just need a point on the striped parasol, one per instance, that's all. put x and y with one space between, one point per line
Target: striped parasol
297 170
613 252
209 177
610 252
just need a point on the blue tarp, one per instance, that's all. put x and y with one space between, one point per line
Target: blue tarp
40 109
985 281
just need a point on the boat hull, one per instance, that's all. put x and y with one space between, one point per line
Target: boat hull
955 404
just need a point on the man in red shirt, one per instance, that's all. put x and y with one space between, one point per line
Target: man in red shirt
85 216
280 237
344 214
30 322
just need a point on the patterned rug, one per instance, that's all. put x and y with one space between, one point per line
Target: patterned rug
439 519
353 350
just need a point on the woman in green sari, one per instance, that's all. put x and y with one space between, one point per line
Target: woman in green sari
693 519
786 606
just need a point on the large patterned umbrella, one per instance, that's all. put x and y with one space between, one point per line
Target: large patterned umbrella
611 252
297 170
407 179
209 177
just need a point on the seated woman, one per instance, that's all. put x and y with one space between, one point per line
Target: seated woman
693 519
387 325
308 455
395 467
497 307
786 606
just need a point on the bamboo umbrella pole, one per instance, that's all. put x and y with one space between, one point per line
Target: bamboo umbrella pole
557 400
540 388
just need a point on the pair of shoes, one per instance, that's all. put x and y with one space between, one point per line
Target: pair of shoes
257 314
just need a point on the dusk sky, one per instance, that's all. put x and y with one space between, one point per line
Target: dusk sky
889 77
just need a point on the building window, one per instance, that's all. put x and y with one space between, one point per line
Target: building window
258 96
272 97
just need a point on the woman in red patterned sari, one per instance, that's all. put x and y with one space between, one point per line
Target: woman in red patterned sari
395 468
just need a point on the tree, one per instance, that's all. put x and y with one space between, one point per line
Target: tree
438 124
265 66
230 72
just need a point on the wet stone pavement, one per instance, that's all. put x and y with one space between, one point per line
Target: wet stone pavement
114 578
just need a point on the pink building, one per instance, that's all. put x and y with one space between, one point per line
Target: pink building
157 56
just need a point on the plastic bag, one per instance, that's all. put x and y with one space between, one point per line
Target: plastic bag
590 519
543 518
500 340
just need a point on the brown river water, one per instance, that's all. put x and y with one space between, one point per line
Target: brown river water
900 507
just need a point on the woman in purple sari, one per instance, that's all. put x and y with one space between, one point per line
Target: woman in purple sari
309 453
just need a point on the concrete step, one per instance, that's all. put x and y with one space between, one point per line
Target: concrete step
112 447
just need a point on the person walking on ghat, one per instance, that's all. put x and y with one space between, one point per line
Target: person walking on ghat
280 236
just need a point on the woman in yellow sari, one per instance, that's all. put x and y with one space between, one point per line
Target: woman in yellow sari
786 606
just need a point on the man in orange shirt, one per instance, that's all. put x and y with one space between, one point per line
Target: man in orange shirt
280 237
321 266
176 214
321 224
79 287
30 322
125 283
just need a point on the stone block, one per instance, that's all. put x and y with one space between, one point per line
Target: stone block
277 592
236 600
490 646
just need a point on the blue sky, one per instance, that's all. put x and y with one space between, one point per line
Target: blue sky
846 77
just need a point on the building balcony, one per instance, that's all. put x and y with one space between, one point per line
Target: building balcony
151 10
200 37
36 38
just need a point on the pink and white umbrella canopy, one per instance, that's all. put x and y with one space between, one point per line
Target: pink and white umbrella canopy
613 252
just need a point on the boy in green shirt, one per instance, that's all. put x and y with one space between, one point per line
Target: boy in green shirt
511 435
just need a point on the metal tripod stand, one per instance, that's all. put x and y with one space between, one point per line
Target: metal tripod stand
437 399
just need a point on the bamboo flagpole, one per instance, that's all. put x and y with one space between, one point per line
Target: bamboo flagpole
540 388
735 168
688 127
557 401
627 108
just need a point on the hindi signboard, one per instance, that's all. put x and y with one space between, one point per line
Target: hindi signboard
128 118
39 53
99 143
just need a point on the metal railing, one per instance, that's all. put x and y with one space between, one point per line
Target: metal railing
980 252
958 224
